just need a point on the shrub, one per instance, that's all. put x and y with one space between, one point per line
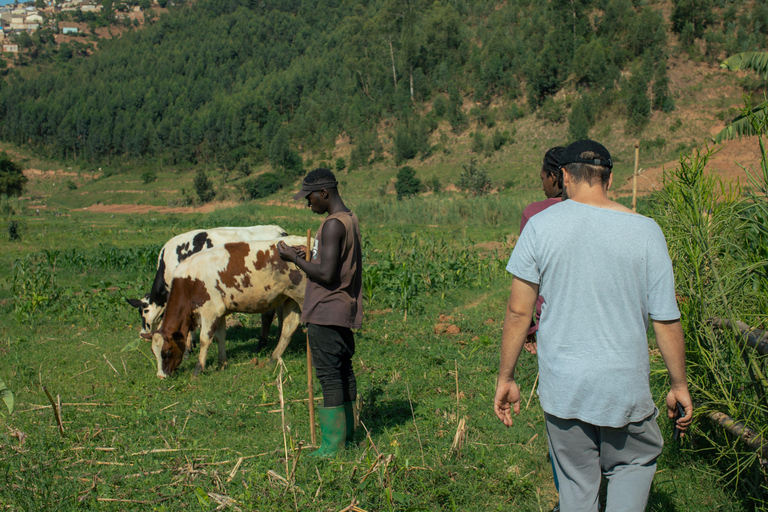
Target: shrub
204 187
12 179
478 142
578 124
262 186
552 111
341 164
71 185
407 183
474 180
148 176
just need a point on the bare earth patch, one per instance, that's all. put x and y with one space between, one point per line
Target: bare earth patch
143 208
726 163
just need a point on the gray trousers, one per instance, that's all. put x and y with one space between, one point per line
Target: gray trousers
582 452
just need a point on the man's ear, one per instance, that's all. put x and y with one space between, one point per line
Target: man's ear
610 181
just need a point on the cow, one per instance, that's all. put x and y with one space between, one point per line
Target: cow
243 277
181 247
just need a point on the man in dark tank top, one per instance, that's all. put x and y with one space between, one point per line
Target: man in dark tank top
333 305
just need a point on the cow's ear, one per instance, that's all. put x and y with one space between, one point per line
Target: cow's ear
177 336
134 302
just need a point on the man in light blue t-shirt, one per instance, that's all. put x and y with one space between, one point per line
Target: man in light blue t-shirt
603 272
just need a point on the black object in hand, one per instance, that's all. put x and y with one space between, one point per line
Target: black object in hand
680 414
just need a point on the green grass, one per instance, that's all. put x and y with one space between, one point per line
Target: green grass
134 442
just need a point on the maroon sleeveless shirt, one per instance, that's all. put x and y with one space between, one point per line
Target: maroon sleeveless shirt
341 302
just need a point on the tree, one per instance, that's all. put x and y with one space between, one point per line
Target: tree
12 179
578 124
741 126
474 180
407 183
204 187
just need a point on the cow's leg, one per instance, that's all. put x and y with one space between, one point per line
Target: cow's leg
221 333
290 321
266 323
208 330
190 344
157 347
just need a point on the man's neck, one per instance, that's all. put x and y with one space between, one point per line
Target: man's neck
595 195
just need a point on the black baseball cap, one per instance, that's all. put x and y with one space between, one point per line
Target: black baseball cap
572 154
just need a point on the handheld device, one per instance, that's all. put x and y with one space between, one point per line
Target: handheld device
680 414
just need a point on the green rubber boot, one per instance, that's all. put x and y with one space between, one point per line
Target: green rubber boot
349 416
333 426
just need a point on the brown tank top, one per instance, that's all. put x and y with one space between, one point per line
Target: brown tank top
339 303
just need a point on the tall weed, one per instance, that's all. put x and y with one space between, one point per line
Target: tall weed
717 245
33 287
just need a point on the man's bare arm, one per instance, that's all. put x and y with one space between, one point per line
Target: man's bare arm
522 301
327 271
671 342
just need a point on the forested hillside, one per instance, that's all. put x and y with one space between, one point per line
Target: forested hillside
241 82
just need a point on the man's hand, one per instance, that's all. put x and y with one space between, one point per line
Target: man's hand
530 343
507 397
682 396
290 253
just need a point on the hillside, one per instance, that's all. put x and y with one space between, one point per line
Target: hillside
287 86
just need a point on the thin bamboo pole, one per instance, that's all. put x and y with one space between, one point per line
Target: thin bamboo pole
634 177
310 384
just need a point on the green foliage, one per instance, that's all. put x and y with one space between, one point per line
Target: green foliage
70 184
578 124
12 179
751 118
500 138
7 395
262 186
407 183
33 287
148 176
478 142
662 99
636 102
552 110
474 180
719 249
204 187
696 13
341 164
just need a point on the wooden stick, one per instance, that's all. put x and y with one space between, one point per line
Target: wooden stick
634 177
55 411
310 384
532 390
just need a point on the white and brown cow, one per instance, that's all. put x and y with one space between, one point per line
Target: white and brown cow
181 247
243 277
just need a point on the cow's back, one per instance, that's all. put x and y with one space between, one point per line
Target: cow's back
248 277
181 247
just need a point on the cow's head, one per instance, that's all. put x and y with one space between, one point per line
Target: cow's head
151 314
171 351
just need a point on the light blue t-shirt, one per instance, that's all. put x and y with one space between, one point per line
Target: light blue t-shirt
602 274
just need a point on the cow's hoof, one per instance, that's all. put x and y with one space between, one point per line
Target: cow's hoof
198 370
223 365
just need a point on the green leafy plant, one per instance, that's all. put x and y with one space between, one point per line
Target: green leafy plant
7 395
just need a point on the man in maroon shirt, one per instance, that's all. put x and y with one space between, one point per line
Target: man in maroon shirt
552 183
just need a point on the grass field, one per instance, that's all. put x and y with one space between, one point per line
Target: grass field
223 441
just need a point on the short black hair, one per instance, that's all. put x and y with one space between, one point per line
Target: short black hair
551 164
319 174
591 173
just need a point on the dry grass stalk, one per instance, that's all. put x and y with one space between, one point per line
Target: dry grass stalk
234 470
110 364
56 413
223 501
281 365
352 507
460 438
536 380
418 436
